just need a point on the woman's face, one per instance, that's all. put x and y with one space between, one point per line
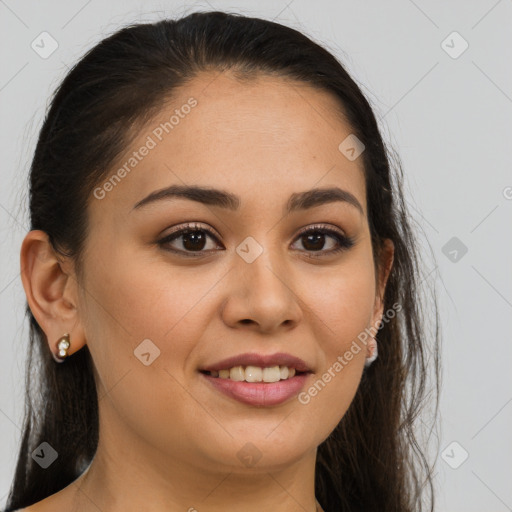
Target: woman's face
154 315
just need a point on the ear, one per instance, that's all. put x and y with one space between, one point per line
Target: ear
385 263
51 289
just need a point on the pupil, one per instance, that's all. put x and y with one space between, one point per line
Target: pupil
315 239
196 238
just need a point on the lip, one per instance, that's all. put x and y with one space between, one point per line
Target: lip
263 361
260 394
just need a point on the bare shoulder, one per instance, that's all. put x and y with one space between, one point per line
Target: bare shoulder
40 506
53 503
36 507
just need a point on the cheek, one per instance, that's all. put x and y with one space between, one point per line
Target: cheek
342 301
172 307
126 306
131 299
343 312
342 305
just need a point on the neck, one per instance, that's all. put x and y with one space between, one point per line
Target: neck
144 478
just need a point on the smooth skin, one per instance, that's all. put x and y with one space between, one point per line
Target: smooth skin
169 441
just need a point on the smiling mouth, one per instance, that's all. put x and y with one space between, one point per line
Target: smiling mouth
255 373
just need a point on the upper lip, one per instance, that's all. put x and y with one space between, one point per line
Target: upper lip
263 361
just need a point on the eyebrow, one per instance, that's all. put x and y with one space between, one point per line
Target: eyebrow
223 199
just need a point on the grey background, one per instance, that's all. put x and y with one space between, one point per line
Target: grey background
450 120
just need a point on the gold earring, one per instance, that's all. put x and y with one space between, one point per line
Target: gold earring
62 349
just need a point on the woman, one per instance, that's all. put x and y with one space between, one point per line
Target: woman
221 283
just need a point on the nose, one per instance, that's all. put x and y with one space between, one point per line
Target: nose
262 295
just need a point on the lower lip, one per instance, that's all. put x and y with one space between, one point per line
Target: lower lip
259 393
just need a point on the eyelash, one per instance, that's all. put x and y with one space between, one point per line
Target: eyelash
344 242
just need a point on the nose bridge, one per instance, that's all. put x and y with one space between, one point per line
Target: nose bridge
262 261
262 283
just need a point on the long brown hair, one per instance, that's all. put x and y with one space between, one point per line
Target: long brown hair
372 460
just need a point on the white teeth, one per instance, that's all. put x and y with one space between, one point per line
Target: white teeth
271 374
237 373
255 373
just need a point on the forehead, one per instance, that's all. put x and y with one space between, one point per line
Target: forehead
262 139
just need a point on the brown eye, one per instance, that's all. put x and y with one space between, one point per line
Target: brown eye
193 239
314 239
